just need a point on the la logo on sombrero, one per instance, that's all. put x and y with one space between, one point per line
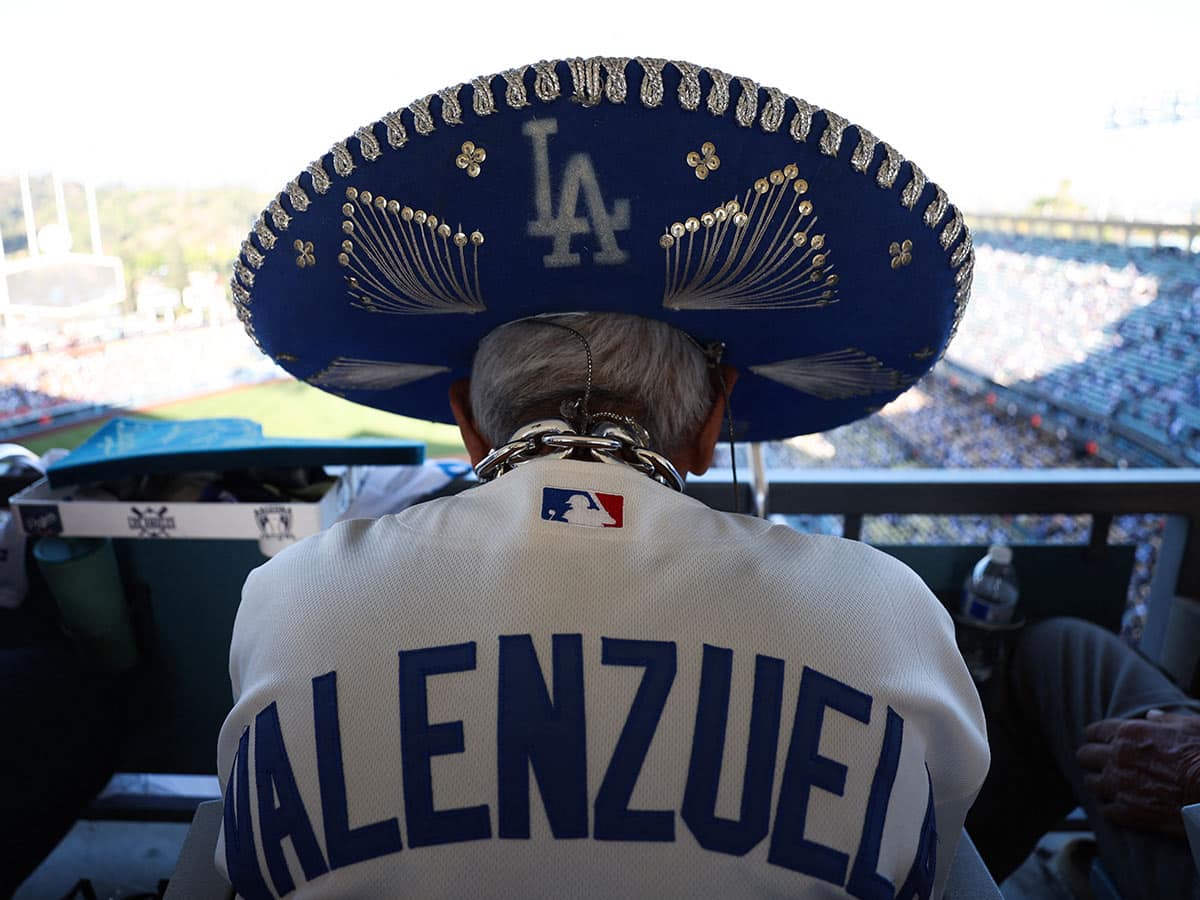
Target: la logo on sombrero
579 506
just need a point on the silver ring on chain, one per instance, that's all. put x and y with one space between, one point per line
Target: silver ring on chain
581 442
615 445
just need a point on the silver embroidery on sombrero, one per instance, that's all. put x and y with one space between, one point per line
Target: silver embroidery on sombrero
901 253
404 261
937 209
241 306
590 82
243 273
836 376
963 278
545 81
451 106
252 254
689 85
889 168
514 91
397 134
759 253
587 82
482 100
304 253
860 160
368 144
471 159
831 138
952 230
747 105
594 78
266 238
279 218
802 121
422 117
912 191
244 317
961 252
652 80
773 112
718 95
371 374
343 162
705 161
296 195
615 89
320 178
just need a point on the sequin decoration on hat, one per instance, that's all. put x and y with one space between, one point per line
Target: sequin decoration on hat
832 269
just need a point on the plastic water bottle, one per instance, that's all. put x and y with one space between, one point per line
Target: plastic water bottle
990 591
989 603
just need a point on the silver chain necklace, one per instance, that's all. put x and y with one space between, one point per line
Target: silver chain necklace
612 438
616 443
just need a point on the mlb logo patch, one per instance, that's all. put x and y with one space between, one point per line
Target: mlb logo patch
577 506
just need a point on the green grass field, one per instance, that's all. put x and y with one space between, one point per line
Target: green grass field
284 409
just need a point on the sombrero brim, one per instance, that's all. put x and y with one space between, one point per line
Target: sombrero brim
833 271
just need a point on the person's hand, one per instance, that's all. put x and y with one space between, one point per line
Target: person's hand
1141 771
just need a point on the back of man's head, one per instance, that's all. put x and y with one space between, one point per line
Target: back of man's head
642 368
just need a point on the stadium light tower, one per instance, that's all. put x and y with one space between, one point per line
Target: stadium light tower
1147 137
27 207
1164 110
93 217
3 287
60 207
53 285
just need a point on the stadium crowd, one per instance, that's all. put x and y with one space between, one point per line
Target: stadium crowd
130 371
939 425
1103 340
1107 334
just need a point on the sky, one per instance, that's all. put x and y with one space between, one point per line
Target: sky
998 102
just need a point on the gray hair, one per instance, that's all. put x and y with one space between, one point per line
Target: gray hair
642 368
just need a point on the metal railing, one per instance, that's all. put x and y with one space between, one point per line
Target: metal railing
1103 231
1098 493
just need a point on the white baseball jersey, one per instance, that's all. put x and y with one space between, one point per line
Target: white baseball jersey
575 682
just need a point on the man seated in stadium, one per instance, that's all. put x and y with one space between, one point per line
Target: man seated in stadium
575 680
1083 720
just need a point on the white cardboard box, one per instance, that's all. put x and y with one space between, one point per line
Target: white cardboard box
43 510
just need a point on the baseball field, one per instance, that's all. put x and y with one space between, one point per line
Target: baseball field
284 409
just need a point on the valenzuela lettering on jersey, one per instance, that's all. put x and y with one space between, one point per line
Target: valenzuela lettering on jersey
541 726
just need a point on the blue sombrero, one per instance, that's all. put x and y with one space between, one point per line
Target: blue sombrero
832 269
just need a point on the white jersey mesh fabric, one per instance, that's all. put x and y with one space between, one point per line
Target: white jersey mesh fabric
522 690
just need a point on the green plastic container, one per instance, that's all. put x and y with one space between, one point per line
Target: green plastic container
83 578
